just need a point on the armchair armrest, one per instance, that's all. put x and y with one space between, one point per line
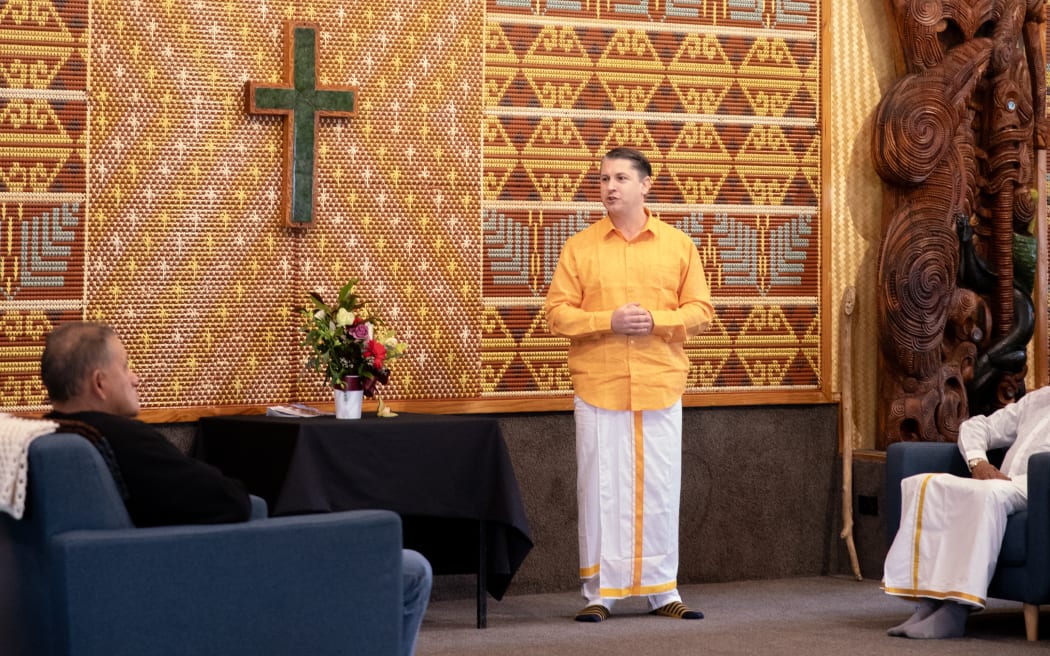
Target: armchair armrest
904 459
260 510
1037 549
234 589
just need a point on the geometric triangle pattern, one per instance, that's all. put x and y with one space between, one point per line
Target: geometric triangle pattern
43 182
726 105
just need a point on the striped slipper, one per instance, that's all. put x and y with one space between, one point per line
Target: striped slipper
677 610
593 613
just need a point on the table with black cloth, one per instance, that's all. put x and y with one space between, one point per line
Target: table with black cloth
448 476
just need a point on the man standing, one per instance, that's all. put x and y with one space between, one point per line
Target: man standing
952 528
94 392
627 292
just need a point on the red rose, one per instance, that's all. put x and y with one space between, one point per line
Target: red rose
376 351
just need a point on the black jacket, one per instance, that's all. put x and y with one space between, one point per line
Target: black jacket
164 485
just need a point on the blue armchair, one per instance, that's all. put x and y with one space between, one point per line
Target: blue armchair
80 580
1023 570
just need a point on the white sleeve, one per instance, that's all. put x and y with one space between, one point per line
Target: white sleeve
980 433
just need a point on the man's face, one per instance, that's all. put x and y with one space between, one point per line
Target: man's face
119 384
623 188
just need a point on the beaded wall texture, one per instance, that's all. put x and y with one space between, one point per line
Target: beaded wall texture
137 190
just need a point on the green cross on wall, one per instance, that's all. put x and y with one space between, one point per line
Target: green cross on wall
302 103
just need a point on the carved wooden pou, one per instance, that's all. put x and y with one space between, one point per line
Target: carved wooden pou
954 141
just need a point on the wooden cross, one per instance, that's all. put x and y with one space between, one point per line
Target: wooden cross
302 103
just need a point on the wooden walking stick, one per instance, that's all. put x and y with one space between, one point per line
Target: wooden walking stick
849 301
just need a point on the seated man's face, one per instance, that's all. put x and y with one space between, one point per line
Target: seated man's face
120 383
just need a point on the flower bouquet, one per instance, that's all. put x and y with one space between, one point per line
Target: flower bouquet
347 339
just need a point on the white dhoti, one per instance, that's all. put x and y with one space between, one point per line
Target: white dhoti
629 479
950 534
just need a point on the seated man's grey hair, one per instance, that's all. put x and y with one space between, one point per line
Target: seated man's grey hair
71 351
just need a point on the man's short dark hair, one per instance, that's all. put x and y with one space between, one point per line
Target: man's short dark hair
638 160
71 352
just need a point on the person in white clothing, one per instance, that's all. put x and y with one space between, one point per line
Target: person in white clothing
952 527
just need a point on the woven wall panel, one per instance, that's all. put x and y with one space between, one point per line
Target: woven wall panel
43 183
863 41
179 244
725 102
471 158
184 258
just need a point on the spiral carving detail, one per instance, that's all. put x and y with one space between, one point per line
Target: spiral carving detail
917 271
926 12
913 131
1024 206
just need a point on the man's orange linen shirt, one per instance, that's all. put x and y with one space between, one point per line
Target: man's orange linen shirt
599 271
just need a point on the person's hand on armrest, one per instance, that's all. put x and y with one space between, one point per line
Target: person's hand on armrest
986 471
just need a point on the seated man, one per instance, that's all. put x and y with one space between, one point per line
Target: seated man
948 564
94 392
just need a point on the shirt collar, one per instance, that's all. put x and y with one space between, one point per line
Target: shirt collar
608 228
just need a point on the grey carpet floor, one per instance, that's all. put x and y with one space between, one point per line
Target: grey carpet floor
812 616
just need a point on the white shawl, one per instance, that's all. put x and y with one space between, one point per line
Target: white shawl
15 435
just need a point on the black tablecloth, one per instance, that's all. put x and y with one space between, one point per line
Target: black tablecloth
445 475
